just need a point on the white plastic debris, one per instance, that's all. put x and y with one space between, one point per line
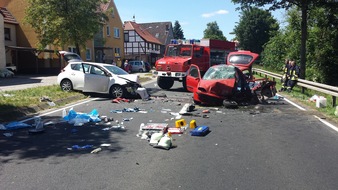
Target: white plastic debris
96 150
105 145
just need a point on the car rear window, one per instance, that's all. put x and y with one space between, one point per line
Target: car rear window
240 59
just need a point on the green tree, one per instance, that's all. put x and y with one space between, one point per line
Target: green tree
65 22
213 32
178 32
255 28
322 49
303 5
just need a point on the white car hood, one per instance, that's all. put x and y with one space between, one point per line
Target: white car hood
130 77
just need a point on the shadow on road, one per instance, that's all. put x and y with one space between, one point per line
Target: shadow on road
56 141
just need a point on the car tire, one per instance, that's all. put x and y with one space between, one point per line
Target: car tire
66 85
117 91
165 83
141 70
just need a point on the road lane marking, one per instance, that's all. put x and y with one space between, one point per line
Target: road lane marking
54 111
320 119
292 103
326 123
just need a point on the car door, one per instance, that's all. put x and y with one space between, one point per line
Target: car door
96 80
76 75
193 78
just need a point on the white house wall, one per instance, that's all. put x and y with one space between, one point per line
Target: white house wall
2 43
11 42
137 45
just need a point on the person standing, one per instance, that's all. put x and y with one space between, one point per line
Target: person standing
126 66
294 71
285 77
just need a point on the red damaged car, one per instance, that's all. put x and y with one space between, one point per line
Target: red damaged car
227 83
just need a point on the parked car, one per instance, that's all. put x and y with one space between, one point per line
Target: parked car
138 66
227 83
98 78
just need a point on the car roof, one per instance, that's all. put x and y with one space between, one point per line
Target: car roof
92 63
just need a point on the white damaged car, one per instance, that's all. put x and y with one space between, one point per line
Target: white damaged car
98 78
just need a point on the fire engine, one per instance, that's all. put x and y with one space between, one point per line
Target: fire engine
180 54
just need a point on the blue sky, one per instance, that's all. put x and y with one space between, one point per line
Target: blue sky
193 15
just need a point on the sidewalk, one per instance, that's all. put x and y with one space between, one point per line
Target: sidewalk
20 82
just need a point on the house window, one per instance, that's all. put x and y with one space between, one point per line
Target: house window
88 54
7 34
116 32
117 52
72 49
108 31
112 13
126 37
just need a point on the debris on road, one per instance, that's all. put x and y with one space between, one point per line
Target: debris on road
77 147
96 150
14 125
78 119
200 131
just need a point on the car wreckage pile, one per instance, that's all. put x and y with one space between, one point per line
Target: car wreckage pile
232 83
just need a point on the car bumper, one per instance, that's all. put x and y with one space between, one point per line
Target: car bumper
210 99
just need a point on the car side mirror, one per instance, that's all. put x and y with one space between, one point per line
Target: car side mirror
109 75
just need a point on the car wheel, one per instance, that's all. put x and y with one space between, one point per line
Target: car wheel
165 83
141 70
117 91
66 85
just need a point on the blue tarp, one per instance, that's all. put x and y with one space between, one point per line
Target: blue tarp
74 117
16 125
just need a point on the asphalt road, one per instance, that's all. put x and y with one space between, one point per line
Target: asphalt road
272 146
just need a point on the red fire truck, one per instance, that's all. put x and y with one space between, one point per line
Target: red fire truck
180 54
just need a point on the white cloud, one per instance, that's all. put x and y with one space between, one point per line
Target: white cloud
219 12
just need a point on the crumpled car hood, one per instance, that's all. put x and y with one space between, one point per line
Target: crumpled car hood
130 78
217 87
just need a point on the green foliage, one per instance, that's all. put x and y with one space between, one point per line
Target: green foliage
178 32
304 6
255 28
322 48
213 32
66 22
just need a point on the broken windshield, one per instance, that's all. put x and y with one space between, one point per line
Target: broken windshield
179 50
220 72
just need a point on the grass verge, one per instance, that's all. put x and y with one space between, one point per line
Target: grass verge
303 99
20 103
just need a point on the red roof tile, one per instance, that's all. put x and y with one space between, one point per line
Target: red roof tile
8 17
129 25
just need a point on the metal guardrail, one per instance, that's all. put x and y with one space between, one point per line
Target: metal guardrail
305 84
